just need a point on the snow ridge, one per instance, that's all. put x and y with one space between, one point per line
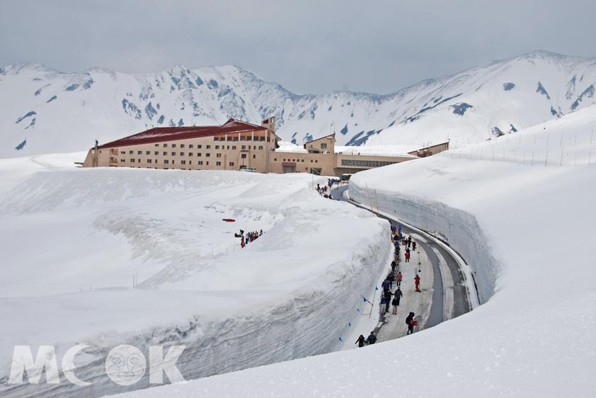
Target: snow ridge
72 110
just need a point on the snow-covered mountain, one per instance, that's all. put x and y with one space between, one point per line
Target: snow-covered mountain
44 110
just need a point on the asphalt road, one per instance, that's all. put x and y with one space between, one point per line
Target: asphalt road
447 276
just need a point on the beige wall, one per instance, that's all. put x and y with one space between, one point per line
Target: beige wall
293 162
254 149
321 145
221 152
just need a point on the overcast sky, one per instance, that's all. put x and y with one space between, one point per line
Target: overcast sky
307 46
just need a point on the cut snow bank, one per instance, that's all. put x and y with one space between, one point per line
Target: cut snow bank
74 240
527 231
459 229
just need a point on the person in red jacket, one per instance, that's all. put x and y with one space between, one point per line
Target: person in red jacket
417 282
407 256
398 278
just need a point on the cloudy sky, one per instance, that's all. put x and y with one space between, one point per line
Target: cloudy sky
307 46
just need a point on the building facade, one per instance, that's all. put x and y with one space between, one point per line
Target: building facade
232 146
235 145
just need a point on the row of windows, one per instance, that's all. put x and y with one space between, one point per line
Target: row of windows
183 162
165 145
295 160
131 152
365 163
242 138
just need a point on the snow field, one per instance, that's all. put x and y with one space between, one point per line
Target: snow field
76 240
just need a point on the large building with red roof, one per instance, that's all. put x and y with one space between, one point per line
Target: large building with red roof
235 145
232 146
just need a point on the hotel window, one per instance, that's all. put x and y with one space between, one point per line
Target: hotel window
190 145
323 146
173 161
254 156
242 138
207 146
262 138
243 155
121 160
173 153
217 147
156 153
260 147
200 162
190 162
228 148
122 152
148 160
233 147
165 145
166 161
218 163
181 153
173 145
156 145
199 154
183 162
164 153
232 164
207 155
132 160
147 152
181 145
139 152
131 152
218 155
243 147
207 163
199 146
190 153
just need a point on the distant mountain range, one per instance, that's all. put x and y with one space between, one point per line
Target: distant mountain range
46 111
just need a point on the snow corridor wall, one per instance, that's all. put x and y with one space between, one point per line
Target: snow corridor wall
456 227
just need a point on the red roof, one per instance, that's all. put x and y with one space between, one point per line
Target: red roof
160 134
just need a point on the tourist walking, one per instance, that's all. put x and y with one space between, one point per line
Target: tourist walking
360 341
398 278
417 282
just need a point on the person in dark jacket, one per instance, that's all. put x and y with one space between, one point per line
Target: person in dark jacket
360 341
409 320
387 300
396 298
371 339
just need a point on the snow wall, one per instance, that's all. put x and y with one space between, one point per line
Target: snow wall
306 321
458 229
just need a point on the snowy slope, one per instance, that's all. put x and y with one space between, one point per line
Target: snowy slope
76 241
46 111
527 230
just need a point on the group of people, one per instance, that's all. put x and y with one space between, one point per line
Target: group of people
395 276
250 236
324 191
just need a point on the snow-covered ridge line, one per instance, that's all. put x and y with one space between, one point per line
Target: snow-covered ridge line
47 112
